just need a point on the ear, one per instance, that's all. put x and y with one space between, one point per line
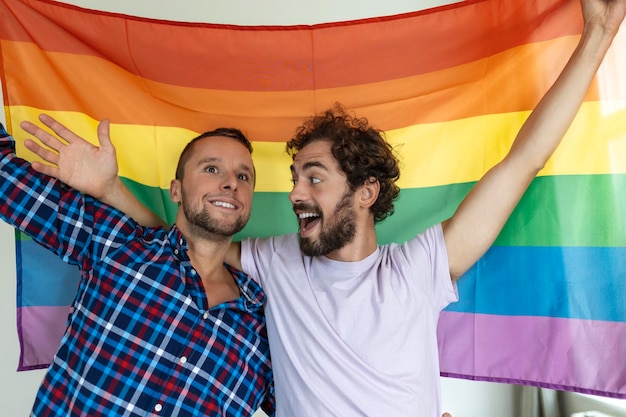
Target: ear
368 194
175 193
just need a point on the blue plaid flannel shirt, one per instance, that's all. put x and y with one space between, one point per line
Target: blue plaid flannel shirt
141 339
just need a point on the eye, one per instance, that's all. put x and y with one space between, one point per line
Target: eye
294 181
315 180
243 177
211 169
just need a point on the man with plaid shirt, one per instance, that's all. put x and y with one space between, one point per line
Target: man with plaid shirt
160 324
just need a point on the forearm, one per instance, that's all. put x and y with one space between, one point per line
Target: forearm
36 205
482 214
120 197
548 123
19 189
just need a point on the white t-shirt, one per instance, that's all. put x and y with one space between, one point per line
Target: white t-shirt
354 338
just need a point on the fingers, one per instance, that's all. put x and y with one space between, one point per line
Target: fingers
63 132
45 169
104 134
44 137
44 153
58 128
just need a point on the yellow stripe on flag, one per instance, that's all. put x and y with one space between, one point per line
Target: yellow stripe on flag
451 152
431 154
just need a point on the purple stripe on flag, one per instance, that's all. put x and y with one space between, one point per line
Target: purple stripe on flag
565 354
46 326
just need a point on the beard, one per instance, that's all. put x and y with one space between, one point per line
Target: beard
201 222
339 231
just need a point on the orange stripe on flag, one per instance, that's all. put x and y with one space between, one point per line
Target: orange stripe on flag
291 58
60 81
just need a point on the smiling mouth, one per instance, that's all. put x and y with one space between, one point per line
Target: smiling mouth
308 221
223 204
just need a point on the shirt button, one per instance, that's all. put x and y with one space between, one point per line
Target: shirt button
158 408
205 315
193 272
183 360
176 251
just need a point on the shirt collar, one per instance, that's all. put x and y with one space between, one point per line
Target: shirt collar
252 295
179 243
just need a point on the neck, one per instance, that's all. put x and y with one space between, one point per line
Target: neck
362 246
206 254
207 258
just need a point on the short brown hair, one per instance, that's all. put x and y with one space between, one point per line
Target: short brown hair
228 132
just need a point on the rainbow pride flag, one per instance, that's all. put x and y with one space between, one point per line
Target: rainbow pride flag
451 86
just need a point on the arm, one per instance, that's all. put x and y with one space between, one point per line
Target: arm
93 170
480 217
233 256
54 216
29 201
87 168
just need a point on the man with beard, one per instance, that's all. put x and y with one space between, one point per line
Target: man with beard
352 325
161 324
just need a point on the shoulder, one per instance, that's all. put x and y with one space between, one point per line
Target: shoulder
428 239
271 243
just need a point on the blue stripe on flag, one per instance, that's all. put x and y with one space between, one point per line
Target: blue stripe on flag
566 282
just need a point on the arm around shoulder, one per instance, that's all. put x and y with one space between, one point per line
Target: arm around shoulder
233 256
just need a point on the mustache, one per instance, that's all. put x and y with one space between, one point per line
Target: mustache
306 207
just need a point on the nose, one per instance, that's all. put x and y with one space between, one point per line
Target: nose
297 194
229 181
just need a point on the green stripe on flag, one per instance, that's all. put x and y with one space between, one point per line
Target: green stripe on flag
566 210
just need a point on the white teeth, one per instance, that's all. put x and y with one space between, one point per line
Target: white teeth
223 204
306 215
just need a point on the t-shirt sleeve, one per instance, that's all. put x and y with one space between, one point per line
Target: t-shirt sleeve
428 250
255 257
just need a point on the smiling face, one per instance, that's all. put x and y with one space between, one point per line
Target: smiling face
215 192
322 201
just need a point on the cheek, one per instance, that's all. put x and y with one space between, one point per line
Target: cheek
327 203
249 197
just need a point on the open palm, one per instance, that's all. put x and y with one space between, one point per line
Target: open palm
73 160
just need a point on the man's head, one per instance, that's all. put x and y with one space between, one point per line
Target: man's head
338 155
214 184
227 132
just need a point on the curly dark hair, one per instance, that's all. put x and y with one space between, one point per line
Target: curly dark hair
361 151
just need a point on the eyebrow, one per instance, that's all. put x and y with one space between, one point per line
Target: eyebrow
309 165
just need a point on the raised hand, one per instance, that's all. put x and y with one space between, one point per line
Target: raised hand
76 162
609 14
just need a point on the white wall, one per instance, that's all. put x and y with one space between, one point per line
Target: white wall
17 390
267 12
